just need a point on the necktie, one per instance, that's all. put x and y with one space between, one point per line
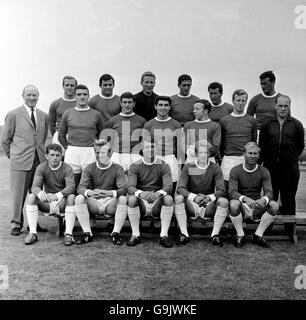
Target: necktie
33 118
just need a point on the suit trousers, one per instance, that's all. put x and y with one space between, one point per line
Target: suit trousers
21 183
285 180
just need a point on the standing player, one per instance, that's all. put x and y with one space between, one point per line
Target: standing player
237 129
146 99
182 103
102 191
202 128
219 108
167 134
23 141
60 105
201 191
150 189
82 125
282 142
126 132
106 102
52 193
245 185
263 104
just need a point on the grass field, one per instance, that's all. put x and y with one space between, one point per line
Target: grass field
100 270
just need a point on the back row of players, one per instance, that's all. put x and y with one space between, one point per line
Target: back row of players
76 121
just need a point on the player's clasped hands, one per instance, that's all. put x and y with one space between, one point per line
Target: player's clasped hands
150 196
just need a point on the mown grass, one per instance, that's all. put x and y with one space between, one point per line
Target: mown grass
100 270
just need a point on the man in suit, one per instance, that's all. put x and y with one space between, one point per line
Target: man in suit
23 141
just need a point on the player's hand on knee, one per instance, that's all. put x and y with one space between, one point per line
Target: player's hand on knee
52 197
250 202
43 197
145 195
155 196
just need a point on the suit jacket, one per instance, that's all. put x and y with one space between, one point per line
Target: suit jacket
19 139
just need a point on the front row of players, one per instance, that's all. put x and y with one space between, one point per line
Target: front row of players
148 191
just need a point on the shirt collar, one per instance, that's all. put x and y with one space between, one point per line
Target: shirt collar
184 97
238 115
29 111
103 168
65 99
273 96
202 121
149 163
165 120
245 169
126 115
54 169
80 109
218 105
107 98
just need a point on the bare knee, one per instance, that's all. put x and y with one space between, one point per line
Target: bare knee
179 199
167 201
222 202
122 200
80 199
273 208
132 201
32 199
235 206
70 200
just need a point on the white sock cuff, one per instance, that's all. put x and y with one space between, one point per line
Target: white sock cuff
167 210
220 211
179 209
31 208
69 209
133 211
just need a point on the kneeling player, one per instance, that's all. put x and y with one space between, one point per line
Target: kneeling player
57 178
102 191
245 185
150 188
201 188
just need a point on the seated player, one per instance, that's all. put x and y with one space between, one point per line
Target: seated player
102 191
201 188
245 186
150 188
52 193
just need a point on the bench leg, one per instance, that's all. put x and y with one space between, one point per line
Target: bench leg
60 226
294 237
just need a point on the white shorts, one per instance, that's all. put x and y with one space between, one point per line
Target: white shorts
228 162
174 165
79 157
125 159
103 203
199 211
149 206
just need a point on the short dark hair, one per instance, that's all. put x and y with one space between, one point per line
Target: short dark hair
81 87
216 85
54 147
268 74
127 95
148 74
206 104
70 78
101 143
163 98
106 77
183 77
239 92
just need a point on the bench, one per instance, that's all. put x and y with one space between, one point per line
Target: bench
297 220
